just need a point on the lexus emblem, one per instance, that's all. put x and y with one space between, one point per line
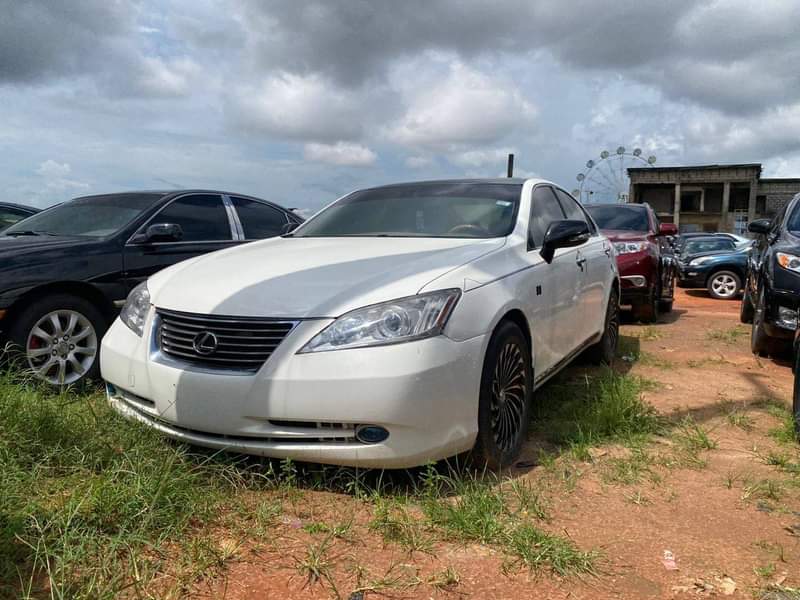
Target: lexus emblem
205 343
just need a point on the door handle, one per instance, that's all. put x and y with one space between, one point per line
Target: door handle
580 262
607 250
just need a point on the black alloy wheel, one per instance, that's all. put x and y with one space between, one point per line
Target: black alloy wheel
604 351
505 398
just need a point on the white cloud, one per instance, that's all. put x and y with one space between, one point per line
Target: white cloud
301 107
159 77
465 107
55 177
340 154
419 162
481 158
51 169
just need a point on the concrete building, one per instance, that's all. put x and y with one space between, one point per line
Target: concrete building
710 197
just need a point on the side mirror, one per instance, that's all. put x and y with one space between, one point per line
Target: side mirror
289 227
162 232
759 226
667 229
563 234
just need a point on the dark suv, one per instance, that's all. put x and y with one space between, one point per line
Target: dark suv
645 259
66 271
772 289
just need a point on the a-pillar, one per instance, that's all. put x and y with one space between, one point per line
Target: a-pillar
726 202
676 211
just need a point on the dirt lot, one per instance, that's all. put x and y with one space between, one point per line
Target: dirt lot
728 511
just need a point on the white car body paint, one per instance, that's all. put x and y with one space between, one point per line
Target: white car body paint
424 392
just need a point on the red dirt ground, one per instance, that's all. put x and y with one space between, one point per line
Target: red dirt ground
728 536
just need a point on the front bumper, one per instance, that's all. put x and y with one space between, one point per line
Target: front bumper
636 275
692 277
781 316
306 406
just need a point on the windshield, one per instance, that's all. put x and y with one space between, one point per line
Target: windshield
93 216
707 245
620 217
455 210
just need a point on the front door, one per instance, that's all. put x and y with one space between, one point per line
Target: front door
206 227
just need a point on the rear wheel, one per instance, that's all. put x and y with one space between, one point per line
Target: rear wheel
58 338
603 352
505 398
665 306
724 285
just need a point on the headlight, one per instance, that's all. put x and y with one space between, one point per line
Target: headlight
696 262
135 310
788 261
629 247
403 320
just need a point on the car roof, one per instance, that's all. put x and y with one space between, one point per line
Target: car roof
495 180
20 206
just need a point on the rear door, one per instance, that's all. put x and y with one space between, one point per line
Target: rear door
206 227
592 259
258 220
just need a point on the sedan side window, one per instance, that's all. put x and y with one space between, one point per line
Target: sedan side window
202 217
259 220
8 217
544 210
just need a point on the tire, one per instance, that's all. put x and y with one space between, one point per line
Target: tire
665 306
746 309
647 312
75 323
724 285
604 351
796 395
761 343
504 405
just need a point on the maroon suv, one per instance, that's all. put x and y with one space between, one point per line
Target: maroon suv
644 256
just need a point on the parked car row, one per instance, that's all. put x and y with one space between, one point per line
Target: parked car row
66 271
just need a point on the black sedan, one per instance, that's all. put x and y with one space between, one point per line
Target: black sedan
12 213
772 291
65 272
714 263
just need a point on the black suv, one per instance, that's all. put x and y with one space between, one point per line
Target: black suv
66 271
772 289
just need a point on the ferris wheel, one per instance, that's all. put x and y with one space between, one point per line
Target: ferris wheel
606 180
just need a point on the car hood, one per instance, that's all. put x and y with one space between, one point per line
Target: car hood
310 277
618 235
16 250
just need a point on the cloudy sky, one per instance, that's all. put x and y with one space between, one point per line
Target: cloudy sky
301 101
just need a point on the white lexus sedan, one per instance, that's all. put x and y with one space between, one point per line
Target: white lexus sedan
401 324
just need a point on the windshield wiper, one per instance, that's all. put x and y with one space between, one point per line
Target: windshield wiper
28 232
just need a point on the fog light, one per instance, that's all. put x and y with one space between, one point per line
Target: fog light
636 280
787 317
371 434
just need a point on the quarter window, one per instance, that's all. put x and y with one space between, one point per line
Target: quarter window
571 208
202 217
544 210
259 220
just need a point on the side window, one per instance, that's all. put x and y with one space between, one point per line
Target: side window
259 220
572 209
9 216
544 210
202 218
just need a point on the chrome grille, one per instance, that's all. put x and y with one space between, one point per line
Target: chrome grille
242 343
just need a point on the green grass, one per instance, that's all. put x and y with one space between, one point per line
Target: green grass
727 336
87 499
597 409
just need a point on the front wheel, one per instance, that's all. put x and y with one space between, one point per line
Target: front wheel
796 395
724 285
504 405
603 352
746 309
761 343
647 312
58 338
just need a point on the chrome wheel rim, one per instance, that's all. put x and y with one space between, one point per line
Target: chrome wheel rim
509 394
724 285
61 347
